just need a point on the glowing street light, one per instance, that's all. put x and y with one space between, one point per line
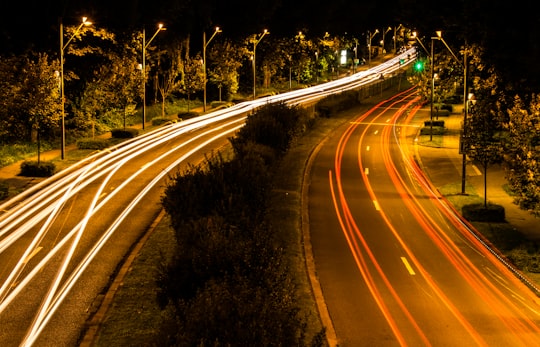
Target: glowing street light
205 44
143 69
395 37
370 37
384 32
62 49
255 43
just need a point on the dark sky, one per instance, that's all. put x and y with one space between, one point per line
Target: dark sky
510 29
35 22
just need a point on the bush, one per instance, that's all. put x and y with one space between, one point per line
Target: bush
96 144
34 169
188 115
525 258
337 102
220 104
162 120
481 213
127 133
4 190
434 131
436 123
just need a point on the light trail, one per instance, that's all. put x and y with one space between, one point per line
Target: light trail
39 206
517 325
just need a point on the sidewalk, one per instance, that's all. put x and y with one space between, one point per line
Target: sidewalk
443 165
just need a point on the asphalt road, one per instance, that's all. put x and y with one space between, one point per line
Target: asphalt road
396 266
116 186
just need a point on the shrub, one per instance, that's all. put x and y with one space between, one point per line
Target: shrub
34 169
436 123
97 144
4 190
220 104
127 133
434 131
162 120
188 115
480 213
337 102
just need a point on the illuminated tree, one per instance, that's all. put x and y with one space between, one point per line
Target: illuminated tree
522 153
223 62
192 77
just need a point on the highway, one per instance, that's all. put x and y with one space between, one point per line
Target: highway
396 265
61 240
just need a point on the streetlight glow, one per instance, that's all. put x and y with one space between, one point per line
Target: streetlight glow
62 96
255 43
143 67
369 43
205 44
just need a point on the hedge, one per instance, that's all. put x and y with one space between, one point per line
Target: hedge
126 133
34 169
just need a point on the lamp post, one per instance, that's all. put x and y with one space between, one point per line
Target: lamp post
144 46
465 109
370 37
205 44
438 37
62 49
255 43
395 37
384 32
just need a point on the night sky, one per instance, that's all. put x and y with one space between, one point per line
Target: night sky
510 30
34 23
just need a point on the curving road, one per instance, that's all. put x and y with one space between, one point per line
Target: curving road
396 265
61 240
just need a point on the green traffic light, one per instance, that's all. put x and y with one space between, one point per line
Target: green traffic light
419 66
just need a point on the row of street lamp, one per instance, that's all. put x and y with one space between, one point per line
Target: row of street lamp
145 45
439 37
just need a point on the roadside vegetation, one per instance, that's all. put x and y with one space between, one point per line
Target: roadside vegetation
236 271
217 282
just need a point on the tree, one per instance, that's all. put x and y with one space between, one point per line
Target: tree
169 71
484 123
522 153
31 98
223 62
192 77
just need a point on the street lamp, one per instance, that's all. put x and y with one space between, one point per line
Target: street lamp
370 37
465 106
62 49
438 37
383 34
255 43
144 46
205 44
395 37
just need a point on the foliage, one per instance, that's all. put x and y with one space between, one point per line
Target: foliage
223 62
334 103
229 281
484 124
30 97
4 190
126 133
192 77
273 125
522 153
188 115
112 87
97 144
169 74
484 213
160 121
37 169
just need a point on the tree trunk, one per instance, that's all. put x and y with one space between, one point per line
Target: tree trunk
485 184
